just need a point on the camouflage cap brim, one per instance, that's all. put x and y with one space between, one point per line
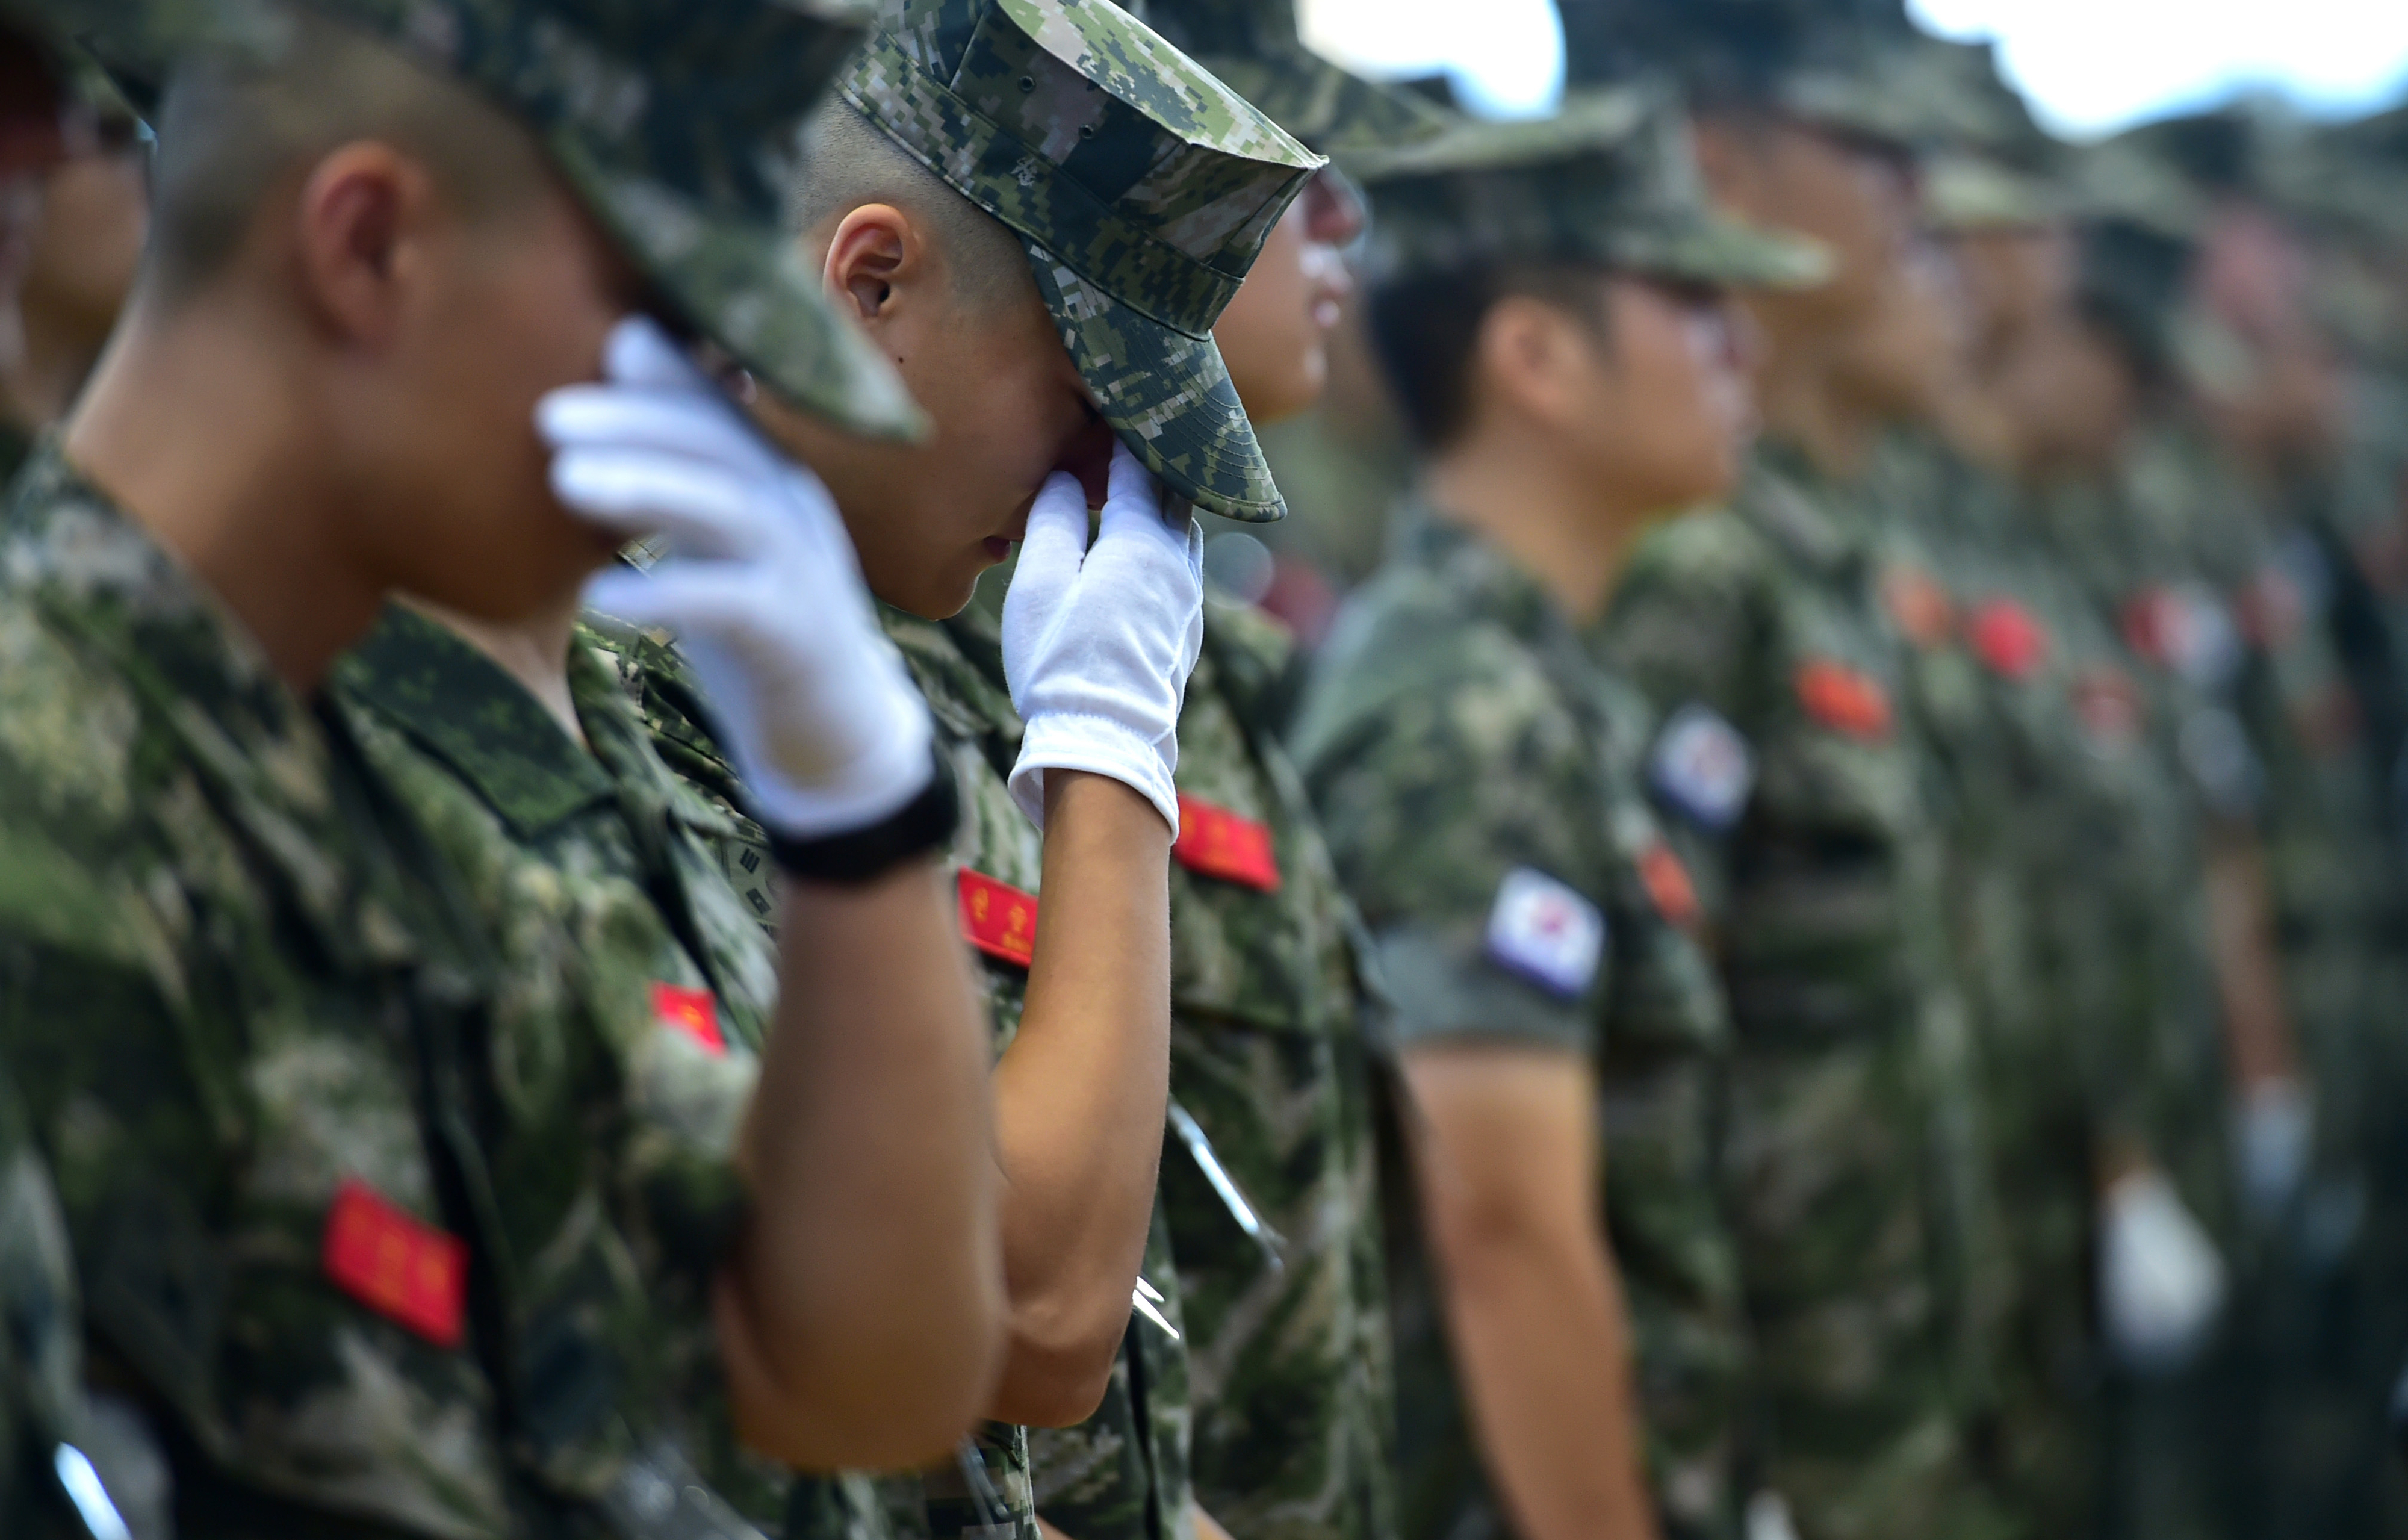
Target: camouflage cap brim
1326 107
1611 179
1167 395
1720 251
742 284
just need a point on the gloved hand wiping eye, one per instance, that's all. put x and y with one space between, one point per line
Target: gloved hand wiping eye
760 584
1098 639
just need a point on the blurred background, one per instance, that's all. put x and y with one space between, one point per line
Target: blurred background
2088 67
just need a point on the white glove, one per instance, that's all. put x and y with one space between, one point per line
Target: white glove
2274 1128
2161 1282
760 582
1099 641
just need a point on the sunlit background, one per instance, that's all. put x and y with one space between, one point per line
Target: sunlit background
2088 67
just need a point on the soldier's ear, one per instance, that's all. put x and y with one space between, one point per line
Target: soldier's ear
876 255
359 228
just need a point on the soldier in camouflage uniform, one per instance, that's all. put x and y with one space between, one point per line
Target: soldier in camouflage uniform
1481 782
408 1207
1852 1150
1071 143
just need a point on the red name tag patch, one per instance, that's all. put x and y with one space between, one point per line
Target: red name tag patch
1668 886
998 918
1843 700
396 1264
691 1012
1217 843
2007 637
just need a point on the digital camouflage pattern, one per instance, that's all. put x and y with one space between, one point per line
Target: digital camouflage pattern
1122 1474
974 725
2064 828
1611 179
662 687
227 952
675 125
1850 1157
594 878
1254 48
1272 1055
1456 729
1142 186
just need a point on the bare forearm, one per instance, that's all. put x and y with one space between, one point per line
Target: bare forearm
1540 1332
1080 1097
870 1280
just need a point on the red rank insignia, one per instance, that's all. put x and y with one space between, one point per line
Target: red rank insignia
998 918
396 1264
1917 604
1217 843
692 1013
1668 884
2006 636
1846 700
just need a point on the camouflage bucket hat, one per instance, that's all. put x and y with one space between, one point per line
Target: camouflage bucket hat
1612 180
674 124
1142 186
1255 46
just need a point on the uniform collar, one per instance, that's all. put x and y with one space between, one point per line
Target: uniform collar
467 711
1783 495
1488 579
285 773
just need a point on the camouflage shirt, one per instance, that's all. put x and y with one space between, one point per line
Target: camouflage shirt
230 980
1849 1155
1465 751
1121 1474
1270 1070
594 875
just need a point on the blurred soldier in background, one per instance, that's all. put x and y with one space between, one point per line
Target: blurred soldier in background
71 230
1549 312
1851 1155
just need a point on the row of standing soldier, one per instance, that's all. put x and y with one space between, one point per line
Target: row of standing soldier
1868 1010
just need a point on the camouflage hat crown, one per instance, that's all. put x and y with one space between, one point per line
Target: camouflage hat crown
673 124
1611 180
1141 186
1851 65
1255 46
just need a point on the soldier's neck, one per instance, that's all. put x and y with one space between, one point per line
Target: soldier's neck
533 651
196 435
1550 515
1803 408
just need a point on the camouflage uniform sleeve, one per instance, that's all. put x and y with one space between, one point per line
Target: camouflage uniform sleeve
1433 796
676 714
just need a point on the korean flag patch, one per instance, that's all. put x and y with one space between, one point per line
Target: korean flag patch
1704 768
1545 932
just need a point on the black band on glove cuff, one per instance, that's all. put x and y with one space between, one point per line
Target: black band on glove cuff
921 825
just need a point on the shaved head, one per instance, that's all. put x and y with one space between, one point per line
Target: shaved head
233 131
